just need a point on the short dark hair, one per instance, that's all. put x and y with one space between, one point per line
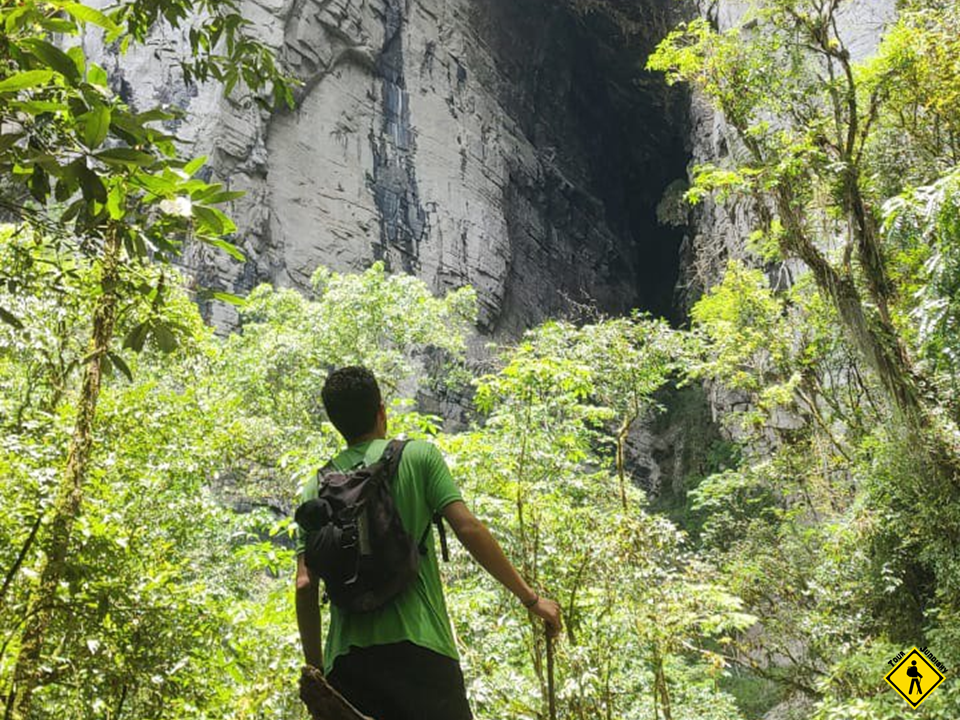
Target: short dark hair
351 397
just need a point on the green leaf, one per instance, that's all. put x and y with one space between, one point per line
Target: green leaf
125 156
136 337
48 162
65 188
164 337
210 218
87 14
38 107
76 54
39 184
160 186
10 319
224 197
200 191
116 200
228 298
96 75
91 184
120 364
16 19
59 25
24 80
192 167
73 210
53 57
229 248
155 115
128 129
97 124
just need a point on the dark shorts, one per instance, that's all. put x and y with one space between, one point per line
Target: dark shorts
402 681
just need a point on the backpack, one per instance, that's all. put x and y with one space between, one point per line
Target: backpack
355 539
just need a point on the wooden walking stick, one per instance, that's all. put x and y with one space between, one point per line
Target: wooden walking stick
323 701
551 689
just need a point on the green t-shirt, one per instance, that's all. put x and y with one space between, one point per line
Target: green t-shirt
419 614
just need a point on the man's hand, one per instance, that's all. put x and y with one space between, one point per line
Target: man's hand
549 611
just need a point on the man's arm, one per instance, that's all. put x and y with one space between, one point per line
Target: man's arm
308 615
485 549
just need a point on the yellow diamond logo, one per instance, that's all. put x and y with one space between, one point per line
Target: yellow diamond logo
914 677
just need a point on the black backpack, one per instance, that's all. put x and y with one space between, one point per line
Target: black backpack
355 539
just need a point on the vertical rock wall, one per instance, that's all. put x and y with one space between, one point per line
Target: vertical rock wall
514 145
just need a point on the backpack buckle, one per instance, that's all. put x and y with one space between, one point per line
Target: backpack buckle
349 536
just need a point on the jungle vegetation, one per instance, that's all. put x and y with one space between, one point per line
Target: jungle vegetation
148 465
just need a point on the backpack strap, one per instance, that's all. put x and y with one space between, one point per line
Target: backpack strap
324 470
392 453
437 520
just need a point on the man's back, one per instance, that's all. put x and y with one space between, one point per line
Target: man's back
400 662
423 486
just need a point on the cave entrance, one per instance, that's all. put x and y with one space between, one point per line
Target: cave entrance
615 130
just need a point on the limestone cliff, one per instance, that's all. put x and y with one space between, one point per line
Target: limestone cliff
514 145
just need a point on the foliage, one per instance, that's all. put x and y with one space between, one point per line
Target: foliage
69 139
172 604
273 371
102 196
803 114
833 528
639 608
925 225
148 596
915 74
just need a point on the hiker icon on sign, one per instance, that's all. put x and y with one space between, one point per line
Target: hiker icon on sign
915 678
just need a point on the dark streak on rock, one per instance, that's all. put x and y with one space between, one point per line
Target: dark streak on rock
403 221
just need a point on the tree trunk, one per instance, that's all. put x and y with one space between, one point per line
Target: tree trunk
622 432
66 509
661 691
875 338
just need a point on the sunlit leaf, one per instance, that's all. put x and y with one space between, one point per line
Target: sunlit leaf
28 79
87 14
54 57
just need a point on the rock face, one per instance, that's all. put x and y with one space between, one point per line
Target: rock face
514 145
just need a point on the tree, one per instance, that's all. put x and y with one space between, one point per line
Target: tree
805 122
110 191
540 469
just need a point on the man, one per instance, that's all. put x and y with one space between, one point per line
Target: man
400 661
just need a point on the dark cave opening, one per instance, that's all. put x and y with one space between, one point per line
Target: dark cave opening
577 82
638 151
